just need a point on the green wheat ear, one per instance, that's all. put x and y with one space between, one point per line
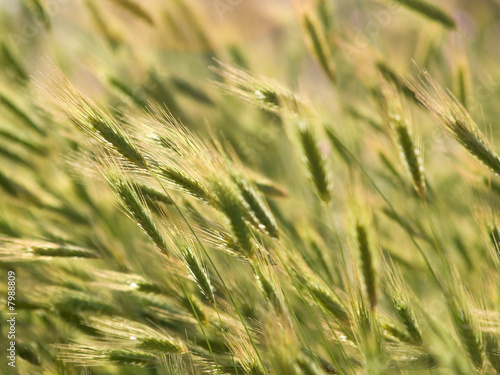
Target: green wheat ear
395 292
184 182
430 11
141 336
492 349
137 208
367 330
398 122
468 333
14 62
365 250
269 288
197 270
319 46
104 355
135 9
315 161
87 116
259 210
231 205
20 111
39 10
455 119
18 250
102 24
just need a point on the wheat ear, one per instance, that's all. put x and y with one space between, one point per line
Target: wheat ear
398 121
455 120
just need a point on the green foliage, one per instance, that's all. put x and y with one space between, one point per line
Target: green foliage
227 187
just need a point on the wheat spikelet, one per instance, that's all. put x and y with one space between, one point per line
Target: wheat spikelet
103 25
15 158
367 266
492 349
255 89
130 357
126 281
17 190
364 249
127 91
397 120
257 206
367 331
467 332
231 205
39 10
307 367
137 209
95 122
494 236
462 83
72 301
338 145
101 356
319 47
420 361
135 9
268 287
430 11
14 62
193 91
185 183
243 354
398 79
26 142
20 112
18 250
323 298
197 270
270 188
151 194
315 161
399 302
456 120
139 335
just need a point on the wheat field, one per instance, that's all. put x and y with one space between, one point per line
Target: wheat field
264 187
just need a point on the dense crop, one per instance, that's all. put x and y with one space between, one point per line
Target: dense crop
245 187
